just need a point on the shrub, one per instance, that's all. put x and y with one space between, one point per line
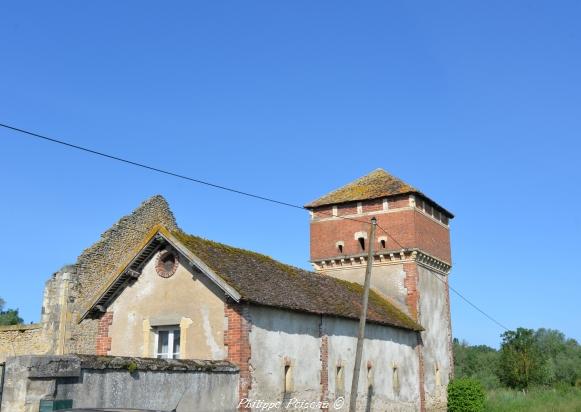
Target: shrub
465 395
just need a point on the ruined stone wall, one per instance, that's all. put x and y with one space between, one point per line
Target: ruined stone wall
22 340
97 263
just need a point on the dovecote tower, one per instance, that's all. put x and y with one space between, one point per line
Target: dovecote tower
411 261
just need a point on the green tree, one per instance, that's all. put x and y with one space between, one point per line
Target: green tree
522 362
563 356
9 316
478 362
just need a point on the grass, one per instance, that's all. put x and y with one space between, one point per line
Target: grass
565 399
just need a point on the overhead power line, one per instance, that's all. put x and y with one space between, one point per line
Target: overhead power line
225 188
144 166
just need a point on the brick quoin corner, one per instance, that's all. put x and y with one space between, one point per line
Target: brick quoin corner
103 338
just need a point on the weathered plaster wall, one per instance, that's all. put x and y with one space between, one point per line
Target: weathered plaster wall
437 354
22 340
92 381
384 349
187 299
1 380
387 279
280 338
98 262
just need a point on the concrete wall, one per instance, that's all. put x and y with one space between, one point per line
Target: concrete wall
187 299
280 338
22 340
437 350
113 382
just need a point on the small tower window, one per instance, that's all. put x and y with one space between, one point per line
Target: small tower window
382 243
340 247
361 243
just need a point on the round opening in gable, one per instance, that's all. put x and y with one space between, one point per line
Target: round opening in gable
167 263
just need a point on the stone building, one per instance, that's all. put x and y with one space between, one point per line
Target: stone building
148 289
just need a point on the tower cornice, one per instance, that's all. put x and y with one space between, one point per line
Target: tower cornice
383 258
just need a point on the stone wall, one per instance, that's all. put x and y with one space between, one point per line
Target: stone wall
97 263
117 382
22 340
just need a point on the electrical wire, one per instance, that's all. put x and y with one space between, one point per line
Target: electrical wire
228 189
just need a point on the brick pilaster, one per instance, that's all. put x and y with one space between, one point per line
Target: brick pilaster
103 338
413 292
324 363
237 340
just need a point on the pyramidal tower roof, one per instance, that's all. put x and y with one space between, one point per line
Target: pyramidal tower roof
374 185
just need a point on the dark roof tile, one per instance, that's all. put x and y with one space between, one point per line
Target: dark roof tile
262 280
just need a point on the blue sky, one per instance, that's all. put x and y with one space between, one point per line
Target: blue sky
478 104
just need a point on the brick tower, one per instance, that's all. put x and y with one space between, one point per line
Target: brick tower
411 261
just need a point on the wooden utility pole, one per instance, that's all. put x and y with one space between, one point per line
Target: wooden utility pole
362 319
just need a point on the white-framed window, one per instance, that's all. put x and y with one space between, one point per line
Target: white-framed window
167 342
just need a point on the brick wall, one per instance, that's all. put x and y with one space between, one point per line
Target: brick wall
407 228
237 342
103 338
412 291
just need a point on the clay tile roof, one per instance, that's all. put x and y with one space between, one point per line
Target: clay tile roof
262 280
376 184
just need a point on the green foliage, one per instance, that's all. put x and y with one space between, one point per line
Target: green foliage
539 399
465 395
563 356
9 316
522 362
478 362
132 366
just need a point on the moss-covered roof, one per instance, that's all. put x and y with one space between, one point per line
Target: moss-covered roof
262 280
376 184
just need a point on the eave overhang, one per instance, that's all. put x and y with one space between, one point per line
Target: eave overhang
157 238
